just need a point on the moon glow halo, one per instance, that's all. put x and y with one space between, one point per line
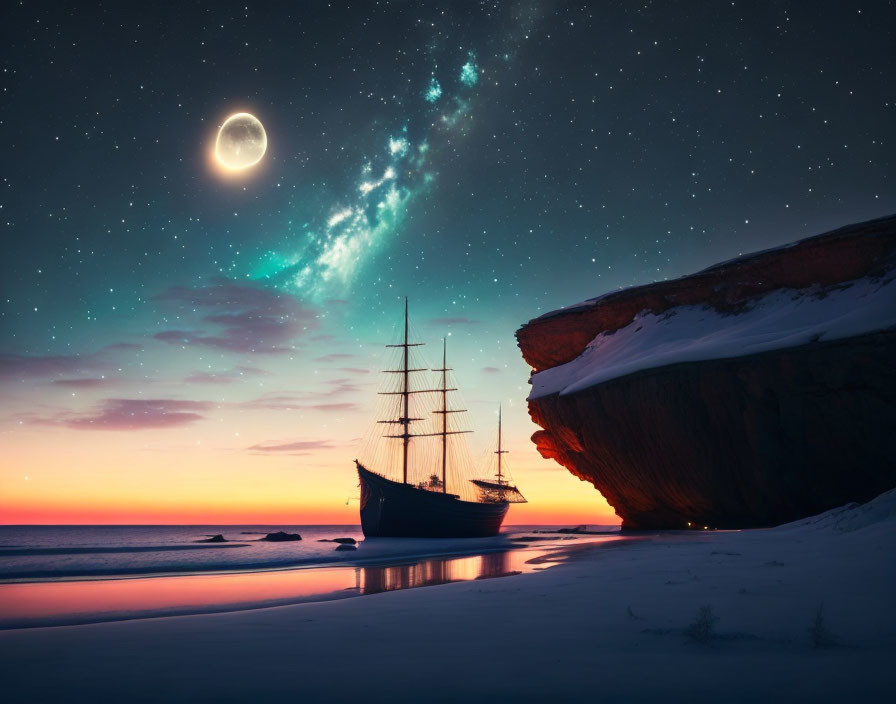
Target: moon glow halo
241 142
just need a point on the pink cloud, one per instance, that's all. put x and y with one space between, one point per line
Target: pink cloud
16 367
225 377
87 383
334 357
246 319
299 446
19 366
137 414
334 406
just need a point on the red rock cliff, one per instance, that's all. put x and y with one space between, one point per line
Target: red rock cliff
736 441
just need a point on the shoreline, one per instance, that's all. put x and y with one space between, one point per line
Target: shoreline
30 604
276 566
617 622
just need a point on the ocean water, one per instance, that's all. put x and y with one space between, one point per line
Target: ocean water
34 553
66 575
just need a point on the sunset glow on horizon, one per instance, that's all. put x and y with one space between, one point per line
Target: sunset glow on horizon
241 447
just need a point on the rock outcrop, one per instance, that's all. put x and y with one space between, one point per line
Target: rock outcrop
755 392
281 537
213 539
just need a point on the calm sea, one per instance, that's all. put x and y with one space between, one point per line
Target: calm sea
55 552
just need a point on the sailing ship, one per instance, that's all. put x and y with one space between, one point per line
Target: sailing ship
446 503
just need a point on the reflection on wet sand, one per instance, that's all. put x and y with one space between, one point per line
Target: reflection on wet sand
26 605
371 580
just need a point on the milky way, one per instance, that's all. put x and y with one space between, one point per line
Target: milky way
335 244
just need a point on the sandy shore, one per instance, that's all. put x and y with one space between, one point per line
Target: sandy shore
611 624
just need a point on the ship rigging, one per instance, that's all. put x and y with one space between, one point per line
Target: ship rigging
427 508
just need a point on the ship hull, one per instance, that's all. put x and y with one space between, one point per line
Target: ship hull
395 510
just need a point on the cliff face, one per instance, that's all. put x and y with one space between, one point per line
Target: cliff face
752 393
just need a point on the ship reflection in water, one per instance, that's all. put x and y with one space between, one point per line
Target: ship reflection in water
32 604
372 580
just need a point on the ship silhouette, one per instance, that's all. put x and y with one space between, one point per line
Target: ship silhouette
423 491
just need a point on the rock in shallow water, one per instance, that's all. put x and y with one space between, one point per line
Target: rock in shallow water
281 537
345 546
213 539
755 392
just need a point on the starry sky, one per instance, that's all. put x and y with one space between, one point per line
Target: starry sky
182 344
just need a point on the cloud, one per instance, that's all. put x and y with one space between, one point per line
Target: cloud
342 386
491 370
225 377
335 357
146 414
453 321
221 292
276 402
135 414
353 370
124 346
334 406
201 377
88 383
299 446
310 401
246 319
18 366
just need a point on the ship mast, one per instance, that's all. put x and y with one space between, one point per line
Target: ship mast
499 451
444 410
444 415
405 392
404 419
405 398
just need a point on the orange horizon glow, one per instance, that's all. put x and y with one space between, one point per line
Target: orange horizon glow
135 514
212 472
588 508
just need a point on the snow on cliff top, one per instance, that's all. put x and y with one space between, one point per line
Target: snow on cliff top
877 226
781 319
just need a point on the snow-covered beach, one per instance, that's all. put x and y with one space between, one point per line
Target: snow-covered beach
803 612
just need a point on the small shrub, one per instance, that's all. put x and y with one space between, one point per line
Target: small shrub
821 634
703 627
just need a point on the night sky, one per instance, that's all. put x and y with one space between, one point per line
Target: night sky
182 344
